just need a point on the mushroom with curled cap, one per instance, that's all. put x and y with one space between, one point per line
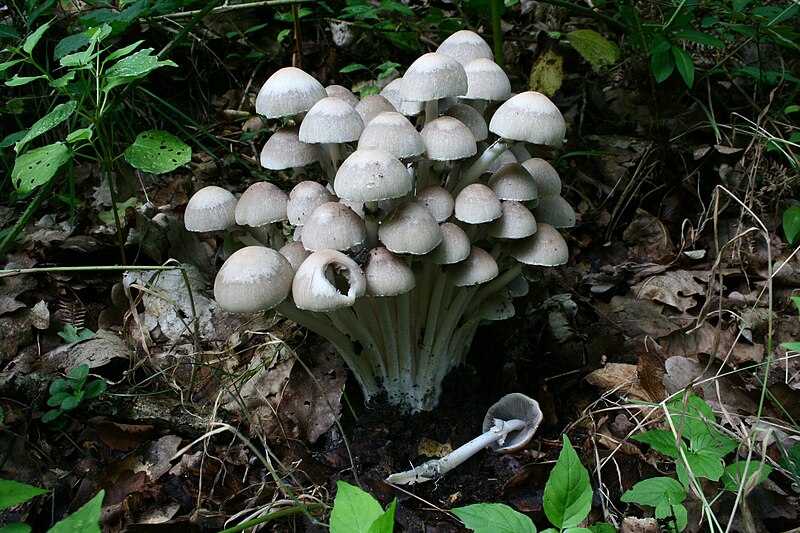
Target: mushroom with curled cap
508 426
327 280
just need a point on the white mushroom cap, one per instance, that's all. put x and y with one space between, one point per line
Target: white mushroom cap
210 209
514 406
556 211
410 229
476 204
496 307
304 198
392 93
513 182
437 200
529 117
547 179
372 174
486 81
253 279
342 92
289 91
546 247
517 222
371 106
284 149
465 46
448 139
471 119
454 248
433 76
327 280
479 267
295 253
394 133
261 204
387 275
331 120
335 226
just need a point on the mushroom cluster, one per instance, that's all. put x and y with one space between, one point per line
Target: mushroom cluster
428 207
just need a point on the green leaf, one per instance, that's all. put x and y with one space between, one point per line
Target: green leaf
494 518
354 67
56 399
547 73
354 510
38 166
283 35
94 389
385 522
14 493
791 460
791 223
655 491
698 37
602 527
568 492
678 514
157 152
51 415
133 67
70 44
8 64
82 134
661 440
685 65
741 472
16 528
662 65
705 465
33 38
79 373
59 114
593 47
63 80
791 346
71 402
116 54
84 520
58 385
17 81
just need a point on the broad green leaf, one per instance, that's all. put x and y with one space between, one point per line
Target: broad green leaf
16 528
17 81
494 518
791 346
354 67
70 402
33 38
70 44
568 492
14 493
354 510
51 415
547 73
157 151
63 80
741 472
84 520
385 522
662 65
713 443
708 466
58 398
675 517
38 166
116 54
12 139
602 527
685 65
83 134
659 44
58 385
8 64
593 47
655 491
283 35
133 67
59 114
661 440
80 372
698 37
791 223
95 388
691 419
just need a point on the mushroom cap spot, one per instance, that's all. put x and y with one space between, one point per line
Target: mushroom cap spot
448 139
371 106
517 222
479 267
556 211
512 181
514 406
327 280
304 198
471 119
335 226
437 200
454 248
486 80
370 175
465 46
295 253
288 91
529 117
387 275
410 229
546 247
476 204
284 149
253 279
342 92
394 133
433 76
261 204
210 209
547 179
331 120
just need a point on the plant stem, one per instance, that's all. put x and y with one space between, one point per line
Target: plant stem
8 240
497 33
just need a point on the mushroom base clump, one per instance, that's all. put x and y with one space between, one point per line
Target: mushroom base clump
427 210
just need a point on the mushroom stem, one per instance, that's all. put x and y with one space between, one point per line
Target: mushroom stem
436 468
478 167
431 110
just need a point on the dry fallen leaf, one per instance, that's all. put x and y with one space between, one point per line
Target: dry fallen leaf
675 288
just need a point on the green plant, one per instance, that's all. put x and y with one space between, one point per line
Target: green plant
71 334
355 511
791 223
699 451
67 394
84 520
382 71
88 84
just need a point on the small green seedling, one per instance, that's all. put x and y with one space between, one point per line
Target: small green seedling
791 223
68 394
71 334
355 511
84 520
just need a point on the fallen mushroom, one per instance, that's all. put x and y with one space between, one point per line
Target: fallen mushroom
508 426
